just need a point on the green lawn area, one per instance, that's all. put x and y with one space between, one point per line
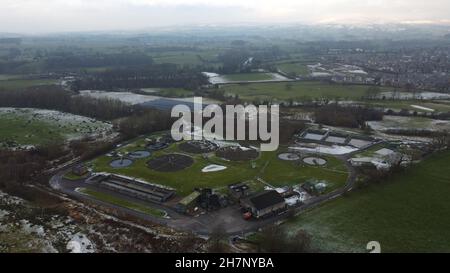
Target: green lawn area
179 58
72 176
20 84
408 213
268 167
122 203
248 77
20 130
281 173
299 69
295 91
35 127
190 58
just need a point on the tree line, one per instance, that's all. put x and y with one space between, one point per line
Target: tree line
156 75
346 116
56 98
66 60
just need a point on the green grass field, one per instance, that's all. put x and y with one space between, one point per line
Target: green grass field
37 127
248 77
71 176
187 58
23 132
21 84
408 213
107 198
298 69
295 91
190 58
268 167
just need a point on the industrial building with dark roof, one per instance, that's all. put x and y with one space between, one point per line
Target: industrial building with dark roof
265 203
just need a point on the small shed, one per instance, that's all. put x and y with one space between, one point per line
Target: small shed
189 202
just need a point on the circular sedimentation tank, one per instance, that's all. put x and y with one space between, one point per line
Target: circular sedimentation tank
198 146
289 157
139 154
314 161
121 163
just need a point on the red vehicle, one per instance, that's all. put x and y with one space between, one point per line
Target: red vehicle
248 215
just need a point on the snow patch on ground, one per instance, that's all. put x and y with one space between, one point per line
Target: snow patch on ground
3 213
29 228
80 243
331 150
135 99
10 200
126 97
399 122
422 108
222 79
75 126
420 95
213 168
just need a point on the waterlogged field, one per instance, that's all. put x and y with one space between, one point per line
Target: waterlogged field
405 214
267 168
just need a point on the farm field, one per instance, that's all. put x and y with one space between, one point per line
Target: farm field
190 58
404 214
248 77
26 126
179 59
298 69
21 83
295 91
267 166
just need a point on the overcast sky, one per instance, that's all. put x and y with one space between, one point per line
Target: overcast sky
40 16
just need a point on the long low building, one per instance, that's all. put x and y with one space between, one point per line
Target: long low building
133 187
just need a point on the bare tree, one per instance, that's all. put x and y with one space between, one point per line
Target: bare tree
441 141
216 242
